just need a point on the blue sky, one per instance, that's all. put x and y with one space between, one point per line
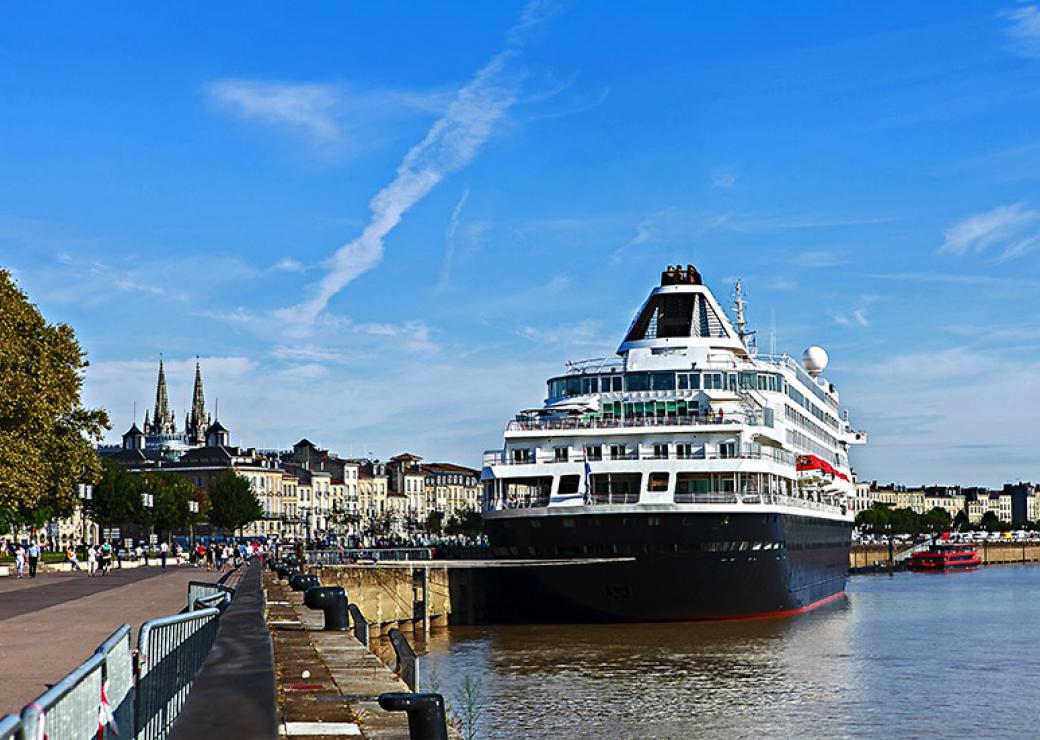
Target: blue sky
383 225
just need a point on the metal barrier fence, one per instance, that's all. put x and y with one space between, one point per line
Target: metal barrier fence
69 710
202 589
219 601
349 555
9 727
170 652
118 681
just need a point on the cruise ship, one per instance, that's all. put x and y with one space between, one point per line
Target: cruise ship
690 477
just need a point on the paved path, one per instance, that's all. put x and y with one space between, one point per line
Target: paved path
51 624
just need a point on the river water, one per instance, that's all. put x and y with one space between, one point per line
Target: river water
908 655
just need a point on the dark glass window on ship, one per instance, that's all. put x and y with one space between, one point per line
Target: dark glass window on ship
659 381
657 482
568 484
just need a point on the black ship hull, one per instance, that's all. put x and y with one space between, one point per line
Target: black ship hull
672 566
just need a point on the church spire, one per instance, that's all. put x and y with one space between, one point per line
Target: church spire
197 422
162 417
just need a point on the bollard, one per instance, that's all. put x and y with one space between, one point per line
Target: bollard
333 601
360 624
285 570
426 720
406 667
303 581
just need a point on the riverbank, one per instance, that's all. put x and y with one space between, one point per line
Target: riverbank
867 558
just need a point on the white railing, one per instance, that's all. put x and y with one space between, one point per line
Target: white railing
623 422
715 497
500 457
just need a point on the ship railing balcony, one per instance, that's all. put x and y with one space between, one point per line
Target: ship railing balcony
630 497
619 422
498 457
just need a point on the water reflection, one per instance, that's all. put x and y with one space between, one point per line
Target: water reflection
909 656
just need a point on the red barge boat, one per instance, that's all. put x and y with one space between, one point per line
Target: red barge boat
945 557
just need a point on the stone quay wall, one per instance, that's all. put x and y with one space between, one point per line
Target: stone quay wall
392 595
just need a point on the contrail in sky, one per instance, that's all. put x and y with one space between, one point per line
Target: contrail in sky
451 143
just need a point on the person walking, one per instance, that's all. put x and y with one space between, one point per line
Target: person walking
70 555
106 557
19 560
34 558
91 561
164 551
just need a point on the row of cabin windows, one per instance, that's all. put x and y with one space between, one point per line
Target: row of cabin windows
576 385
656 482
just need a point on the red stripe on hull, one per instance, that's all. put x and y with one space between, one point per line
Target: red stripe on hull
784 612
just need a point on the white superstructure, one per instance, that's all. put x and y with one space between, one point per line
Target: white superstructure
687 416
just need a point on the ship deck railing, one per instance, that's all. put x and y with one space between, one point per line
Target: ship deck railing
622 422
499 457
629 498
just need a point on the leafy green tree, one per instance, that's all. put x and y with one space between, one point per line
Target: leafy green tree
990 522
937 520
875 519
233 503
435 522
961 522
171 496
117 497
468 522
46 435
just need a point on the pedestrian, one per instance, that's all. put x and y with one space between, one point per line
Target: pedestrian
92 556
19 560
106 557
142 555
210 556
70 555
34 558
164 551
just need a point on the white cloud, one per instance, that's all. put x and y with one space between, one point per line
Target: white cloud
306 110
1014 229
449 236
450 144
1025 28
288 264
933 417
723 179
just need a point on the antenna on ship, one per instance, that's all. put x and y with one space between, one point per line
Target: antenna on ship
747 338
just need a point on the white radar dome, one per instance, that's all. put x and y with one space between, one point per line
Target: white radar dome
815 360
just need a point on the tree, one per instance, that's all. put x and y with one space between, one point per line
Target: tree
990 522
117 497
46 435
171 496
936 520
875 519
961 522
468 522
233 503
435 522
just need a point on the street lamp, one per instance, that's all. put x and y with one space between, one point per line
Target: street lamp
193 508
85 492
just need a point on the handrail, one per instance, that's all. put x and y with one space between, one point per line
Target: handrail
763 453
715 497
9 727
637 422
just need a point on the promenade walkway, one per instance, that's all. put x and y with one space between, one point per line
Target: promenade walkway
51 624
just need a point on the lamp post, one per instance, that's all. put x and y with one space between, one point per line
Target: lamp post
193 510
86 494
148 501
